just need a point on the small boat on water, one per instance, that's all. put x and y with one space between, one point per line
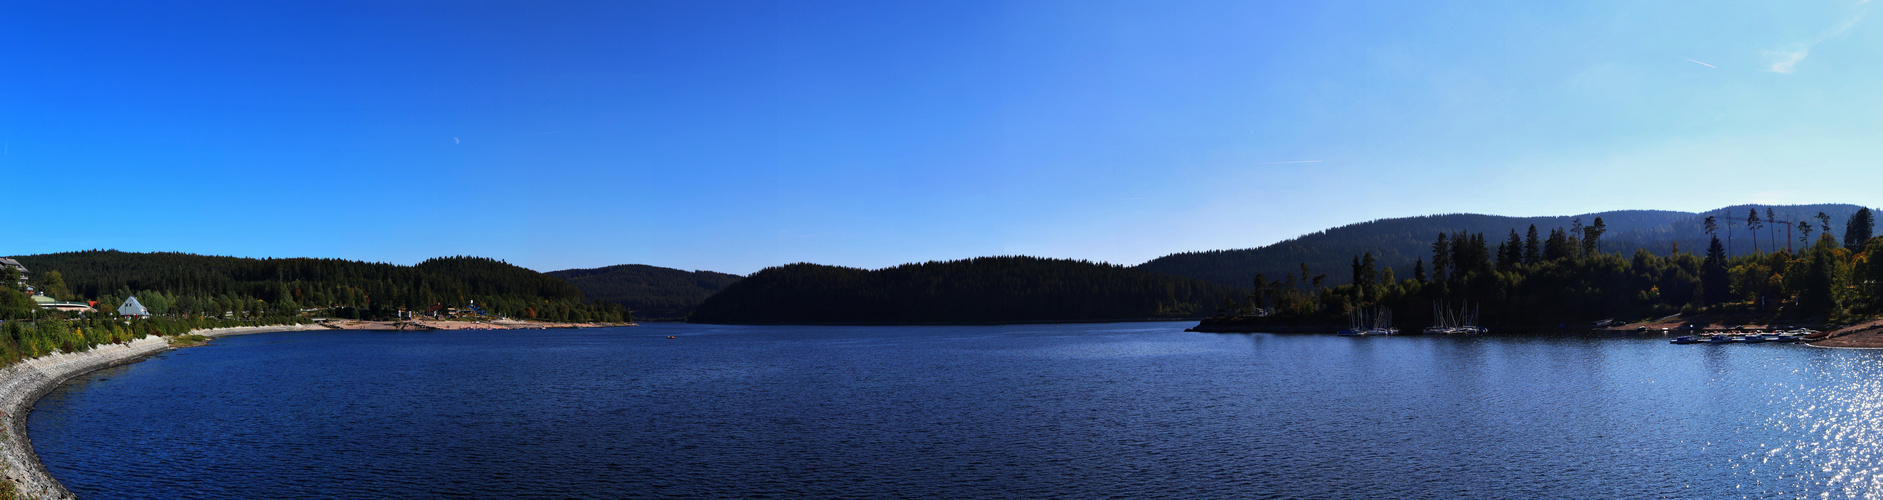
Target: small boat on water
1719 339
1462 321
1689 339
1375 321
1753 338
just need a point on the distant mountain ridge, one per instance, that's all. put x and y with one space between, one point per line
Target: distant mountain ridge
651 293
979 290
1398 242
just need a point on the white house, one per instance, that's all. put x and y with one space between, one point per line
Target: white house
133 309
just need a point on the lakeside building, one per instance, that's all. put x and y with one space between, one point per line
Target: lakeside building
133 309
45 302
6 263
440 311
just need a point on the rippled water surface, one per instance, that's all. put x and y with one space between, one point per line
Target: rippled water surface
1076 411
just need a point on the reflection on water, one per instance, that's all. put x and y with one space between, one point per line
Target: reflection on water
1834 421
1073 411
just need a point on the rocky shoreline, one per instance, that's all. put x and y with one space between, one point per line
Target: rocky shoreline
25 382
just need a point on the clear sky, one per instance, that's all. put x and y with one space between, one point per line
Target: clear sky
736 136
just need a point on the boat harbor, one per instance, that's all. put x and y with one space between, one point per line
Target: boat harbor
1744 337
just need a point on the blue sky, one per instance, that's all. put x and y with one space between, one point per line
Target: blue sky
733 136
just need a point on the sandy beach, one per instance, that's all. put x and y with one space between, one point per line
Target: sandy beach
1868 334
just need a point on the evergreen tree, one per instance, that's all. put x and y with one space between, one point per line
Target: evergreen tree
1858 229
1510 254
1369 274
1261 290
1359 277
1713 274
1574 235
1418 270
1532 249
1441 257
1816 283
1470 254
1461 262
1592 237
1557 246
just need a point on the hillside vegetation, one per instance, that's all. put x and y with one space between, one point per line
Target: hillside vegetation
1397 243
1564 279
651 293
188 284
982 290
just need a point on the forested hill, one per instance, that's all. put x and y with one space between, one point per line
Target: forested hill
981 290
1396 243
181 283
651 293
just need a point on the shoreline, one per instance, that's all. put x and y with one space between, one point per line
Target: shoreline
962 323
422 325
25 382
22 384
1865 335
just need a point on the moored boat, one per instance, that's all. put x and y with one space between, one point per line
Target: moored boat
1377 320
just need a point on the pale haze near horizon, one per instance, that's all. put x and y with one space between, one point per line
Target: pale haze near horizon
736 136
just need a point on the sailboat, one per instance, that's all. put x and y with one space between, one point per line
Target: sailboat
1375 321
1462 321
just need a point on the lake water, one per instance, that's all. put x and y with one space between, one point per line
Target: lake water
1140 410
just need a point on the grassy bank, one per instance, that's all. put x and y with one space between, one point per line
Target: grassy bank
26 340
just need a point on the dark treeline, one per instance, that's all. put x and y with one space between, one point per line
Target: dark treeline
1529 277
981 290
1398 242
179 284
650 293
